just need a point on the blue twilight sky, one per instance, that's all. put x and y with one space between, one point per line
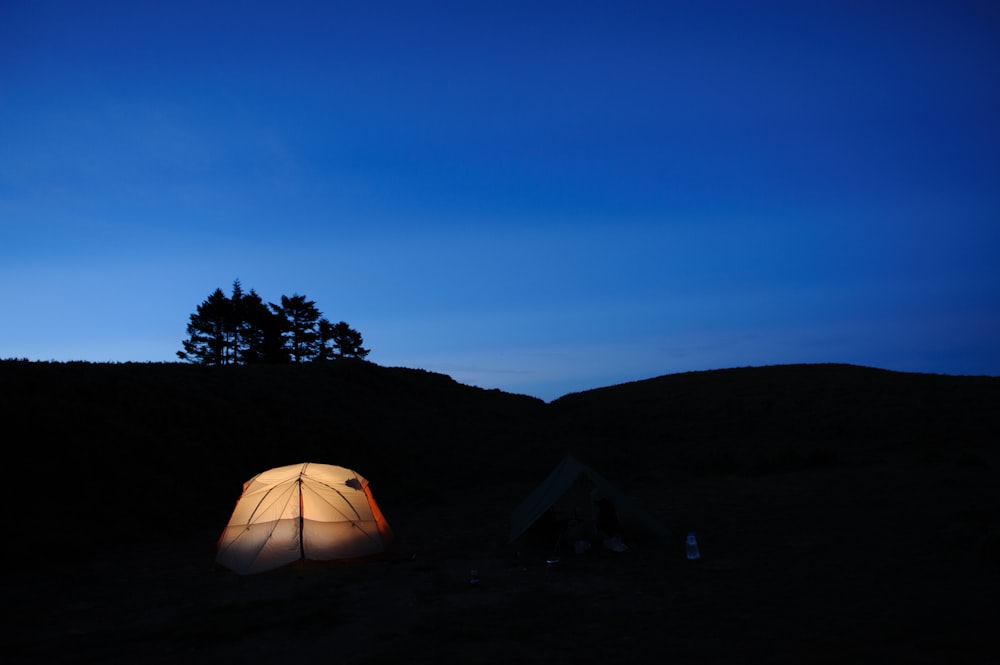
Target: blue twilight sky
541 197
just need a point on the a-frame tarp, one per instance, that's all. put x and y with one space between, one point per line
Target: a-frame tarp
632 518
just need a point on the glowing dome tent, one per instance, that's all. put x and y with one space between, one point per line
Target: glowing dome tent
314 512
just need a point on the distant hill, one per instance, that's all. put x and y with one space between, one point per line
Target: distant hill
734 419
158 440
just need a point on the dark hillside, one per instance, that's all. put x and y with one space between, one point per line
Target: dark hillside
747 419
136 438
136 443
845 514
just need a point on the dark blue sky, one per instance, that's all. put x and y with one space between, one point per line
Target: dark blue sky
541 197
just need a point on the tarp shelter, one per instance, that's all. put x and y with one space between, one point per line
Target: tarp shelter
571 494
314 512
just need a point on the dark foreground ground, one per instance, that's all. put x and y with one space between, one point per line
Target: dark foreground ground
890 554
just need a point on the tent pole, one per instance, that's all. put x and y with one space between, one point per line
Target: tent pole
302 546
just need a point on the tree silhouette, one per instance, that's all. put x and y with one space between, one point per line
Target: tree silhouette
242 329
261 330
346 341
209 331
300 331
325 331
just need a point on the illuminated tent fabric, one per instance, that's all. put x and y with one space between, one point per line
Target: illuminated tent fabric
570 491
316 512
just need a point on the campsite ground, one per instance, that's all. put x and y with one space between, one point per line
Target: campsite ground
825 566
888 550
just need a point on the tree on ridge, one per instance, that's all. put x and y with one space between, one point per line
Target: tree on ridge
209 333
242 329
301 317
343 339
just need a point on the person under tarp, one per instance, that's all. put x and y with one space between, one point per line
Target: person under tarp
578 507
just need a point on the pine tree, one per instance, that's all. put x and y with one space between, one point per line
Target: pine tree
210 332
301 319
325 330
261 338
346 341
